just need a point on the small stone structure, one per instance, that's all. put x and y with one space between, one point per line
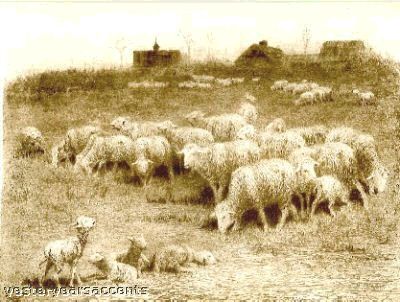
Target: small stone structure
156 57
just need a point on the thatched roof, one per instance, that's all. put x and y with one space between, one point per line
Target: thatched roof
342 49
260 53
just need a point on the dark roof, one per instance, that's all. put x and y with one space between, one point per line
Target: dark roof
261 52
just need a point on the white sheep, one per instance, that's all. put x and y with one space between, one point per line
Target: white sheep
312 135
74 142
289 87
69 250
30 141
223 127
224 82
152 152
323 94
329 188
216 162
301 88
114 271
279 85
172 258
256 79
305 98
181 136
237 80
203 78
278 145
248 111
256 186
276 125
134 255
366 98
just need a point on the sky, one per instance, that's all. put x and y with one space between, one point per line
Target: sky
40 36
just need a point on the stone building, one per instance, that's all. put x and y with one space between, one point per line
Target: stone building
156 57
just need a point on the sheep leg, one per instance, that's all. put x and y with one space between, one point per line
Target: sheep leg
170 172
285 214
331 205
363 195
46 271
215 192
316 203
261 215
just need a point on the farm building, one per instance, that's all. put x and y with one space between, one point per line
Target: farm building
260 54
156 57
342 50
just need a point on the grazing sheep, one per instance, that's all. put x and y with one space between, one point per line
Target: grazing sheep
69 250
102 150
237 80
223 127
312 135
181 136
278 145
279 85
152 152
301 88
289 87
74 142
329 188
276 125
172 258
248 111
191 84
203 78
135 129
224 82
366 98
134 255
256 186
247 132
30 141
323 94
114 271
216 162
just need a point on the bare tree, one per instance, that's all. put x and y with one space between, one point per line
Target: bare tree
187 38
210 45
306 37
121 45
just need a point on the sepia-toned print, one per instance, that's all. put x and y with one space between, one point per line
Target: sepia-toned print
231 150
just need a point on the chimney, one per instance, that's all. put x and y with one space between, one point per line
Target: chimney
263 43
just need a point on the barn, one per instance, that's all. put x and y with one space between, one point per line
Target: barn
156 57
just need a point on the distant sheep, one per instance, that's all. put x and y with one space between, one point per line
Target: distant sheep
173 258
256 186
147 84
30 142
114 271
216 162
279 85
69 250
257 79
203 78
224 82
191 84
366 98
305 98
312 134
276 125
223 127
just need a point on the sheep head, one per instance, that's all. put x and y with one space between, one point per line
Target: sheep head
138 241
84 224
378 179
120 123
225 216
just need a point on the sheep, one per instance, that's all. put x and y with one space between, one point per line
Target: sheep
312 135
305 98
276 125
237 80
256 186
248 111
278 145
366 98
216 162
328 187
224 82
172 258
256 79
223 127
300 88
152 152
181 136
289 87
279 85
147 84
30 142
134 256
323 94
247 132
74 142
191 84
114 271
69 250
203 78
101 150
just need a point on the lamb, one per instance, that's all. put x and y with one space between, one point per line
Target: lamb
312 135
152 152
223 127
328 187
256 186
216 162
181 136
248 111
115 271
172 258
74 142
69 250
276 125
279 85
134 255
30 142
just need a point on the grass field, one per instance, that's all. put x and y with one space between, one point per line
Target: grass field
351 255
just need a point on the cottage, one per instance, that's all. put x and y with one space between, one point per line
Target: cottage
156 57
260 54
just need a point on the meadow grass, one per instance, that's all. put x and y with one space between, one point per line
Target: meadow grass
40 201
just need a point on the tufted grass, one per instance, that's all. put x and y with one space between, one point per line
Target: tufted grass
40 201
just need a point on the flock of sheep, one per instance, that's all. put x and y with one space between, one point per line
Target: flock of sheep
124 267
245 166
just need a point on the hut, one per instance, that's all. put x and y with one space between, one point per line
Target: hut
342 50
156 57
260 55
